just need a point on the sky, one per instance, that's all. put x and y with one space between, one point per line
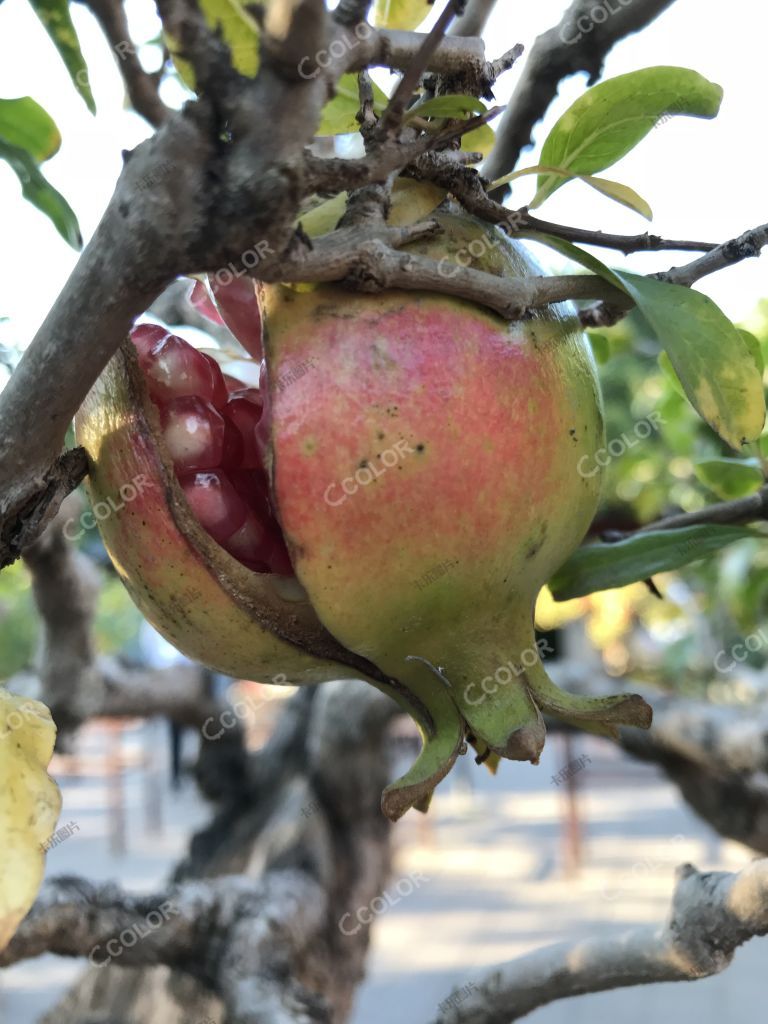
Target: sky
703 179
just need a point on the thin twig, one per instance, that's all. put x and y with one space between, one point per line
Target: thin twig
141 86
741 510
745 246
560 52
406 87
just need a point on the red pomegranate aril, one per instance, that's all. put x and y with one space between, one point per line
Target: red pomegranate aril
253 488
263 426
173 368
145 337
253 395
233 384
232 455
220 392
214 502
193 432
246 543
238 305
276 554
243 410
200 299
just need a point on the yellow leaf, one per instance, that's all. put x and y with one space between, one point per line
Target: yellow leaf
479 140
412 201
30 803
401 14
615 190
239 31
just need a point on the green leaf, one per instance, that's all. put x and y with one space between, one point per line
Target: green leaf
25 124
669 372
412 201
573 252
620 193
709 355
601 348
453 105
57 21
605 566
338 117
754 348
325 216
730 478
610 119
403 14
613 189
42 194
238 29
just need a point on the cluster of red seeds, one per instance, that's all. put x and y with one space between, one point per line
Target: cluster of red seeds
215 430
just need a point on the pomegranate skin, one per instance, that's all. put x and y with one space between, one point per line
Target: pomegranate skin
213 609
425 470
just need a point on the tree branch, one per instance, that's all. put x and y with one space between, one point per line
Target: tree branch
364 257
65 584
740 510
721 256
716 754
470 189
141 86
406 87
285 942
747 245
712 914
474 19
578 43
186 201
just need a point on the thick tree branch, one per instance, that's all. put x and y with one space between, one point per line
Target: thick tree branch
364 258
285 942
392 48
70 678
712 914
406 87
260 926
579 43
65 585
186 201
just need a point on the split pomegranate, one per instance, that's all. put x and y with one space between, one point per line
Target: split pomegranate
210 427
286 532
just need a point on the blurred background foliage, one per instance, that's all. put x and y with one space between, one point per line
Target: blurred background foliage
115 627
707 607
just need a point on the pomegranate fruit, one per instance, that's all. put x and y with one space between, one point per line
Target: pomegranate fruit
294 530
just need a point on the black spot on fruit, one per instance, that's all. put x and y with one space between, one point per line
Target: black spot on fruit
420 447
534 546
